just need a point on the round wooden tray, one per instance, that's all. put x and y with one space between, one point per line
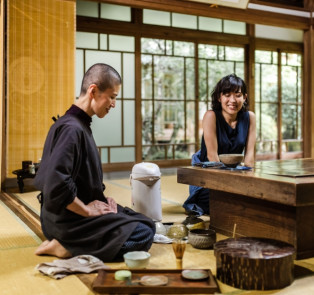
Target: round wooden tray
254 263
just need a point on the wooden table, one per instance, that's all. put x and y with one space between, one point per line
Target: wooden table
275 200
21 174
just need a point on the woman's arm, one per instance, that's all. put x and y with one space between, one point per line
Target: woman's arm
210 137
249 157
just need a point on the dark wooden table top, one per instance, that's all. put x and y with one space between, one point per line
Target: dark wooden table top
289 182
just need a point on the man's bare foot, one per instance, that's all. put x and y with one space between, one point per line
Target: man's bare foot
53 248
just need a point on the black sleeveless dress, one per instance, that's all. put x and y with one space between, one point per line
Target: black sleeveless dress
230 141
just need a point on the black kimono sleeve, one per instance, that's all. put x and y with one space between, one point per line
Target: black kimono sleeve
59 167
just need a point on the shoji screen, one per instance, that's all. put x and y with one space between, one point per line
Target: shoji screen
40 73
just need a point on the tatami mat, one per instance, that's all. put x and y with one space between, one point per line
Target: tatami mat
13 232
18 276
173 195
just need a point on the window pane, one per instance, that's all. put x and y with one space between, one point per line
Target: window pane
202 108
210 24
270 32
202 76
268 57
234 53
289 127
190 78
294 59
111 58
168 77
267 147
103 39
266 119
129 122
207 51
147 74
269 83
217 70
128 85
104 156
269 116
115 12
169 47
153 46
123 154
169 122
234 27
86 40
147 111
121 43
239 69
79 71
102 128
183 48
258 107
257 82
289 84
87 8
183 151
184 21
190 122
156 17
157 152
294 146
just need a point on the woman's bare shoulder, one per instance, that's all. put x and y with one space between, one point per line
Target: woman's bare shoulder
252 115
210 115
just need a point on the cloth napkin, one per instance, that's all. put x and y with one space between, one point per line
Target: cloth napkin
161 239
60 268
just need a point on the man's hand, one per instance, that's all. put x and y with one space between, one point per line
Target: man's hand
95 208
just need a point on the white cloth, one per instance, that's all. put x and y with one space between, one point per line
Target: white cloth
60 268
161 239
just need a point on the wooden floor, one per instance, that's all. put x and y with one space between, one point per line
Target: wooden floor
20 234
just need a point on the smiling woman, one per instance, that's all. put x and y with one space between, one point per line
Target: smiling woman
229 128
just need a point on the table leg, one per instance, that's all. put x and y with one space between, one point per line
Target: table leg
20 183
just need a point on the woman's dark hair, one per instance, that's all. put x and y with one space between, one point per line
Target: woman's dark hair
103 75
230 83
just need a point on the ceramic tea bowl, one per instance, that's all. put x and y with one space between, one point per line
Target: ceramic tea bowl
136 259
202 238
231 160
177 231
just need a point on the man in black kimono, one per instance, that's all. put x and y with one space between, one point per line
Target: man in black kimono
76 217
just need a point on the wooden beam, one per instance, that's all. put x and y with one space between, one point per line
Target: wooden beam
308 93
2 94
250 16
267 44
95 25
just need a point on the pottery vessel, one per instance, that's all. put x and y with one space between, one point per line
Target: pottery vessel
136 259
202 238
231 160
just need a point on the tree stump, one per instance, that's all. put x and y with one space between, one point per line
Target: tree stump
254 263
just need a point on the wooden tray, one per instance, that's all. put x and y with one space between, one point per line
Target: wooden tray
106 283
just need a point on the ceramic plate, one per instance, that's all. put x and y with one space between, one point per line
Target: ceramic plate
195 274
154 280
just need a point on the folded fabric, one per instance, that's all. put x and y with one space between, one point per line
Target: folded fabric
209 164
239 167
161 239
60 268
